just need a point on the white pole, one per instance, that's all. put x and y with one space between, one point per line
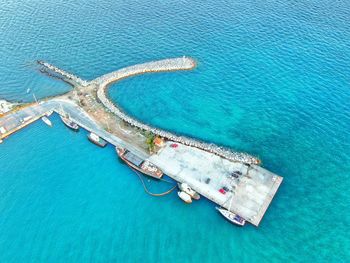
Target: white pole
35 98
62 110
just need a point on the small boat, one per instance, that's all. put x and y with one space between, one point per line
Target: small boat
188 190
69 123
233 218
1 141
139 164
46 120
49 113
185 197
97 140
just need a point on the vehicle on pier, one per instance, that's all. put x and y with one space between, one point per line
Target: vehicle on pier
69 123
184 197
97 140
188 190
139 164
232 217
26 119
46 120
3 130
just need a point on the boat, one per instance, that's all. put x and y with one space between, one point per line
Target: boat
97 140
184 197
69 123
1 141
46 120
49 113
232 217
139 164
188 190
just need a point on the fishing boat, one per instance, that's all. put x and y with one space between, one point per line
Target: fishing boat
139 164
188 190
69 123
46 120
233 218
184 197
97 140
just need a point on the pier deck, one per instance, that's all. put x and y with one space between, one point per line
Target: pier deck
247 195
17 120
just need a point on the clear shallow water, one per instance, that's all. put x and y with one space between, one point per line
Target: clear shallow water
272 80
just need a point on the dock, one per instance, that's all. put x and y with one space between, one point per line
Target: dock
209 169
13 122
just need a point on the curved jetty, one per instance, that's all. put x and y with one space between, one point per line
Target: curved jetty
170 64
183 63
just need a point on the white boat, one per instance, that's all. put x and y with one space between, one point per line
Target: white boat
97 140
232 217
46 120
1 141
184 197
69 123
188 190
49 113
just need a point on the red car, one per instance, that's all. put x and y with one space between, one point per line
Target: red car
222 191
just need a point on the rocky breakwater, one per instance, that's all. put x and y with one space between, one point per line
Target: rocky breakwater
183 63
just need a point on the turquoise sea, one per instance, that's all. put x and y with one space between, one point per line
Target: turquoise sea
273 80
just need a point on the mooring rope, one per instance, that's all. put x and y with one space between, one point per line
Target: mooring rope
148 192
166 181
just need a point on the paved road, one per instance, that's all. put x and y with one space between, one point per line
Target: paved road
14 120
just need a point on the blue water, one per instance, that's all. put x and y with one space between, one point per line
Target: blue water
272 80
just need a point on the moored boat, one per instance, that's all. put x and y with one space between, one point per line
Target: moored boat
46 120
184 197
69 123
97 140
232 217
139 164
188 190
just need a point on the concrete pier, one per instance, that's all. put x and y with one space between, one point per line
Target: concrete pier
209 169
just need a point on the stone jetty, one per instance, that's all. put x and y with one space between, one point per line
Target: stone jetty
69 77
183 63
